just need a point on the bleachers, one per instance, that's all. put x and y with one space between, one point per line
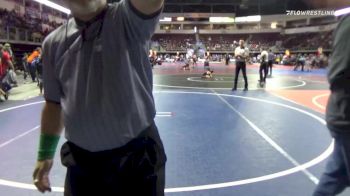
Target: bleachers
14 26
174 42
256 42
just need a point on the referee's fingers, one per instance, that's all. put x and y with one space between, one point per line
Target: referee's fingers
41 181
35 173
36 179
41 176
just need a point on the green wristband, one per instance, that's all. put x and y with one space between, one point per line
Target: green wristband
47 146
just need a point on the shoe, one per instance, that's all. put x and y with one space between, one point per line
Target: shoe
245 89
234 89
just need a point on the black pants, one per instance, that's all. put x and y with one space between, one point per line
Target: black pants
25 70
263 72
4 85
138 168
336 177
298 64
269 64
32 71
239 66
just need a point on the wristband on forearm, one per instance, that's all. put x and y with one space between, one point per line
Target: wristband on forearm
47 146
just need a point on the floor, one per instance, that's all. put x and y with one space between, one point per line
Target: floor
268 141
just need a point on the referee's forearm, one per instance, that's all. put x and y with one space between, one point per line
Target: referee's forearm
147 6
51 119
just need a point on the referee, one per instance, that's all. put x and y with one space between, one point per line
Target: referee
271 59
241 54
336 177
263 70
98 85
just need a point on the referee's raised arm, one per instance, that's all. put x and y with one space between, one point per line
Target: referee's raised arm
147 7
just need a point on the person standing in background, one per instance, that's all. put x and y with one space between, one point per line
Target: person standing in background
31 65
8 48
207 61
270 61
38 64
263 68
9 75
25 66
241 54
227 59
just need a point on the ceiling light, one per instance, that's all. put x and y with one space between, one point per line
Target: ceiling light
165 19
54 6
342 11
274 25
180 18
221 20
256 18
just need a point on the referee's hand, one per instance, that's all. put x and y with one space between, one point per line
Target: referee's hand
41 175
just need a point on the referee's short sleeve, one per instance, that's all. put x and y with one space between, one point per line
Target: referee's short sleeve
138 25
52 87
236 51
246 51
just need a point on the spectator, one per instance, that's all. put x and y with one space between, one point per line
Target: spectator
31 65
7 47
9 75
25 66
227 59
4 85
37 63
